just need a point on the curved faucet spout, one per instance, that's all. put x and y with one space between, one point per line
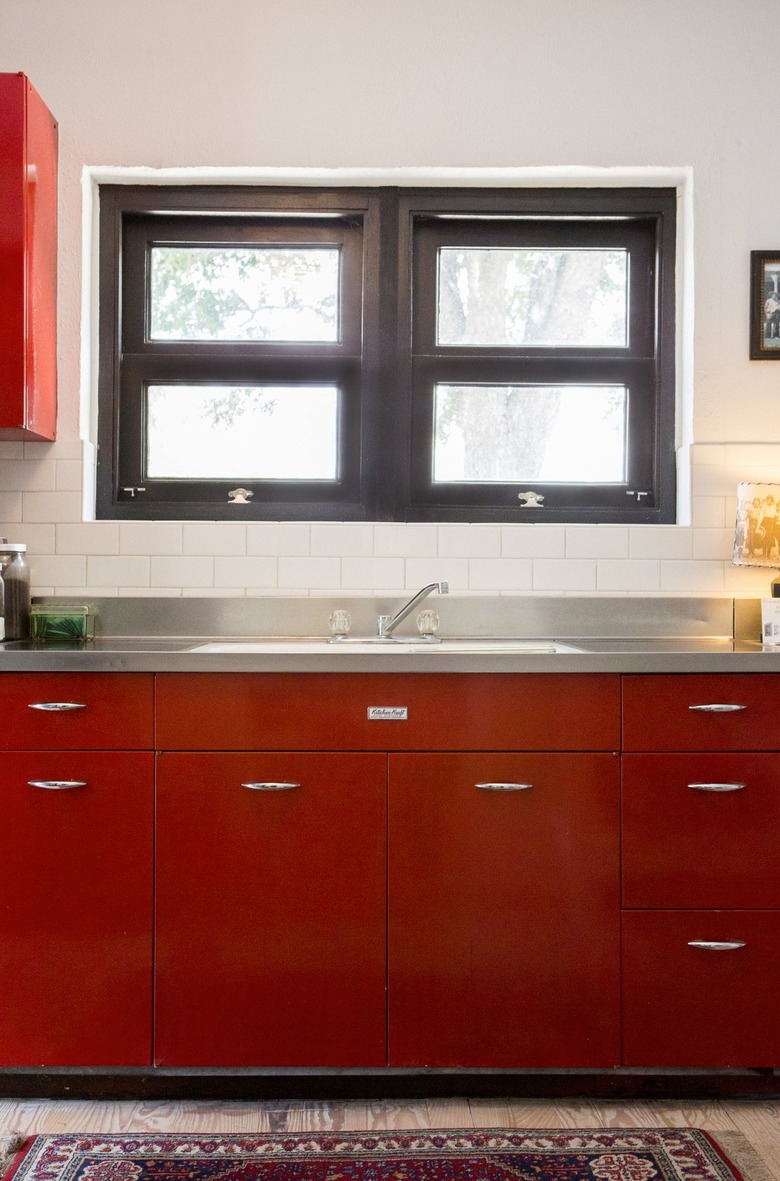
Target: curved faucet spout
386 624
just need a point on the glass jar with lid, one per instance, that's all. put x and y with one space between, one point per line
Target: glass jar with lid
15 574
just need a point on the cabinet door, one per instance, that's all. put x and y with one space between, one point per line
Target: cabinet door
689 1004
28 263
76 914
503 910
270 903
700 830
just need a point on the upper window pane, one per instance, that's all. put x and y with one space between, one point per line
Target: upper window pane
532 298
247 293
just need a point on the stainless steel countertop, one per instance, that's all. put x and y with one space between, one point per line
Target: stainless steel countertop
173 654
611 634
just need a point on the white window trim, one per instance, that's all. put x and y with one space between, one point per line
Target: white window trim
574 176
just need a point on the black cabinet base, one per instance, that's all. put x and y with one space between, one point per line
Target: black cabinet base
343 1085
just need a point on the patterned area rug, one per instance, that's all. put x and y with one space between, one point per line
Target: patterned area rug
660 1154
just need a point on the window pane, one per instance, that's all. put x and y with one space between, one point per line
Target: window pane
247 293
501 297
242 432
510 433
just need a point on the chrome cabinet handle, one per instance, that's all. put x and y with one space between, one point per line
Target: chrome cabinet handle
504 786
57 706
56 784
717 709
717 786
271 786
716 944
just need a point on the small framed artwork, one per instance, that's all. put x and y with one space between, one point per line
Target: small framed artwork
765 305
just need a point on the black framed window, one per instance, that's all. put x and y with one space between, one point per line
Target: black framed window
405 354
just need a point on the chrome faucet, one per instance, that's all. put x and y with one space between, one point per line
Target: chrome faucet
387 624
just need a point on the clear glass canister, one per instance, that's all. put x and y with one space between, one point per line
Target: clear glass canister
15 574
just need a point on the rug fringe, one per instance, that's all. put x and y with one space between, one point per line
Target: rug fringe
743 1156
10 1143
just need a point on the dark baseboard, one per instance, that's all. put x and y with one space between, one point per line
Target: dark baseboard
345 1085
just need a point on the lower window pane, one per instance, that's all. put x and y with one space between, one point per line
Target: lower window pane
512 433
270 432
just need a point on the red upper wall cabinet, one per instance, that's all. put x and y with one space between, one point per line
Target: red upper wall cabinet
28 263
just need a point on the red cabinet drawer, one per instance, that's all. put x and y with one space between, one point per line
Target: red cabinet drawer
76 918
700 830
503 911
301 711
710 712
77 711
687 1006
271 911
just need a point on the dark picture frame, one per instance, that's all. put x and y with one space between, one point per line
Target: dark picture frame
764 295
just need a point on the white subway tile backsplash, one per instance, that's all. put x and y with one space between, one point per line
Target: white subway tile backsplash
596 541
405 541
624 575
689 577
709 512
452 570
68 476
94 537
660 541
41 504
311 573
249 573
20 474
181 571
373 574
469 541
118 571
533 541
150 537
342 540
713 543
58 569
50 506
274 539
212 538
564 574
501 574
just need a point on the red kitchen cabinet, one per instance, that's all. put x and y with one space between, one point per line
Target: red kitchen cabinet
77 711
76 917
504 910
270 909
310 711
700 988
28 263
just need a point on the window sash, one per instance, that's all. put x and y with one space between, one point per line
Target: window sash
387 362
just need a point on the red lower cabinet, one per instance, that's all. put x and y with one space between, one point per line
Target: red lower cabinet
504 910
700 988
76 921
271 917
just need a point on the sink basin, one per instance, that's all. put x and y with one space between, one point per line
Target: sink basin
382 647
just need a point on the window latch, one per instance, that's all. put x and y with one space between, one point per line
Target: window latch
132 491
638 495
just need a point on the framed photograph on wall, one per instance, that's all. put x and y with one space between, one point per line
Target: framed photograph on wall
765 305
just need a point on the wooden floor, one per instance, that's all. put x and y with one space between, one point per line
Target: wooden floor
758 1121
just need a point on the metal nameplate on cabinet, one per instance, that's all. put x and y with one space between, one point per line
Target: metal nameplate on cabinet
388 713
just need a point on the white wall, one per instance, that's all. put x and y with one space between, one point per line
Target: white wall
416 83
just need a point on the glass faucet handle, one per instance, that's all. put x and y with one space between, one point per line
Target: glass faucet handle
428 623
340 623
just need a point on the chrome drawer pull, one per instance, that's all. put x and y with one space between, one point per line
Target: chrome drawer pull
504 786
56 784
271 786
57 706
717 945
717 786
717 709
